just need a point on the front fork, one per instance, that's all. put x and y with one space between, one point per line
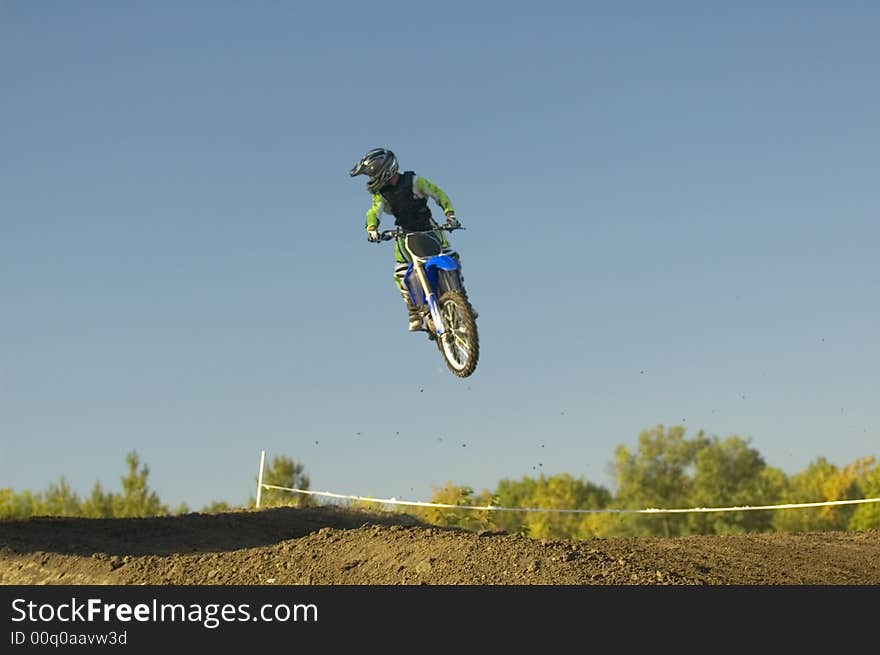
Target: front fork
431 299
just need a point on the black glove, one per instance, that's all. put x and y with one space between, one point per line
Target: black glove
452 222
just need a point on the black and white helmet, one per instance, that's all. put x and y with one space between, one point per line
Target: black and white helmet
379 165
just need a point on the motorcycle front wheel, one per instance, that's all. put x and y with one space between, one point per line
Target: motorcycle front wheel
460 346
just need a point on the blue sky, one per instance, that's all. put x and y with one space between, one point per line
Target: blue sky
671 213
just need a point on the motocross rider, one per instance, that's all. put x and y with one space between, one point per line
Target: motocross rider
404 196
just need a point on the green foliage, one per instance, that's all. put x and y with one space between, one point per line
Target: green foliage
59 500
136 499
867 516
560 491
666 471
820 482
728 473
513 493
555 492
669 471
99 505
17 506
450 494
285 472
656 476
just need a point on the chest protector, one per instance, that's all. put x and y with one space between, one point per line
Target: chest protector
410 213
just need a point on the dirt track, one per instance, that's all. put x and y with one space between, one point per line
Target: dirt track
331 546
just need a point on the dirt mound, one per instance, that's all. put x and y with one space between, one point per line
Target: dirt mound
334 546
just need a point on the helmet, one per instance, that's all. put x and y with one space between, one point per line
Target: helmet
379 164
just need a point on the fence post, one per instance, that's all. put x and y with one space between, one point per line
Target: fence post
260 478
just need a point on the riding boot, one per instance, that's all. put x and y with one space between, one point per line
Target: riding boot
415 314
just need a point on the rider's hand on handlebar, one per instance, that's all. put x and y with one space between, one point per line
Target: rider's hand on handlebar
373 236
452 222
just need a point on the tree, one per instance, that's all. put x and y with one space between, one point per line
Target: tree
729 473
557 492
450 494
656 476
821 481
284 472
16 506
562 491
60 500
99 505
137 499
867 516
513 493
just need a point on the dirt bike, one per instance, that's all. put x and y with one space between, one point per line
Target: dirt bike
434 283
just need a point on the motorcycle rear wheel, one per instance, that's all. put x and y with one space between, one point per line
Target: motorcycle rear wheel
461 346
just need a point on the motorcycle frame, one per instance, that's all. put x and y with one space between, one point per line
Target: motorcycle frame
426 272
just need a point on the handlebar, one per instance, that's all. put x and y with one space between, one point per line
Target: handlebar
388 235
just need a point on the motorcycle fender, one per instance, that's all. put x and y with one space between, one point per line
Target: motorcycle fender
445 262
437 263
